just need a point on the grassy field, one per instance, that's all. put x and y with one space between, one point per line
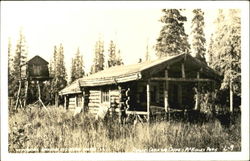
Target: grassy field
56 130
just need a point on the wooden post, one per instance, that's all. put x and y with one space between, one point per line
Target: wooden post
83 100
197 99
183 75
148 99
18 94
76 103
120 103
39 95
65 101
183 70
231 95
166 105
26 92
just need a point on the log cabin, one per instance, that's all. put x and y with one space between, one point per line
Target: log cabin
144 89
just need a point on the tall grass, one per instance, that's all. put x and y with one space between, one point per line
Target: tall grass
37 130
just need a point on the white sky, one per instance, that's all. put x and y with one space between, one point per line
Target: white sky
80 24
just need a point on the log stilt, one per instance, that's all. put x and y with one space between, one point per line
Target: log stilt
26 93
39 95
18 95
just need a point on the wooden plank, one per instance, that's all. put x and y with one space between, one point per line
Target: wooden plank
93 104
94 101
94 91
114 92
94 95
137 112
148 99
180 79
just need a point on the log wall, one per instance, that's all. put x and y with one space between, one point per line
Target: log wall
72 103
94 99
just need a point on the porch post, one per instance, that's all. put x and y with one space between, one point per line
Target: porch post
183 75
183 70
120 103
65 101
148 99
76 101
83 100
197 99
166 105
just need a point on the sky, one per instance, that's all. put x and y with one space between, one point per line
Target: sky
81 24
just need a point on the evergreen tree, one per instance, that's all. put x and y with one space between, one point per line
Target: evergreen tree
198 36
210 50
59 72
227 48
147 56
19 67
98 63
114 57
118 58
77 68
172 40
10 59
10 69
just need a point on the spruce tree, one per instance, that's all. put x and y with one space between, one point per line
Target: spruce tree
210 51
227 48
59 80
19 67
77 68
98 63
198 36
10 69
172 39
114 56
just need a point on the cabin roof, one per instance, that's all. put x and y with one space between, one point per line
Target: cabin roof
37 60
125 73
72 88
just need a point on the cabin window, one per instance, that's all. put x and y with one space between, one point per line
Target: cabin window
105 95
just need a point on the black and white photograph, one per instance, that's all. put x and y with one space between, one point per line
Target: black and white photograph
124 80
